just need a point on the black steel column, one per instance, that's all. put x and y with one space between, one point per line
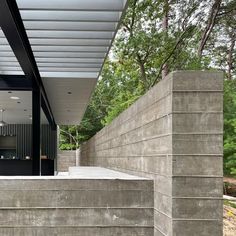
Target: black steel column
36 132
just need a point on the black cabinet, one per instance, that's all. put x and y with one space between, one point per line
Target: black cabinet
24 167
8 147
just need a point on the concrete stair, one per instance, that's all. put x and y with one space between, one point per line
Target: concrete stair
67 205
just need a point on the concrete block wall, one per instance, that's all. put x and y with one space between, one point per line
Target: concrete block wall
174 135
65 159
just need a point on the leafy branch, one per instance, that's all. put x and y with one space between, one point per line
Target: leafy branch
178 42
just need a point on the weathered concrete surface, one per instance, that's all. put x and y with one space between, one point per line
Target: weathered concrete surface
89 172
173 134
72 206
77 231
65 159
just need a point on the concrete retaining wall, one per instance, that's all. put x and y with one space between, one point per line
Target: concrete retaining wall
172 134
65 159
64 206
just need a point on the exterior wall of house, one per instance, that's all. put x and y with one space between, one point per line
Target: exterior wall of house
173 135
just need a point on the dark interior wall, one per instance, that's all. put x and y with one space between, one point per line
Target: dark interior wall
23 139
48 142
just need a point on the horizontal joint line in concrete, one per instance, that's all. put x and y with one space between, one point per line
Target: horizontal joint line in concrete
133 156
200 198
154 137
185 219
197 176
196 112
78 190
167 176
69 178
141 171
169 93
197 91
164 155
198 133
131 118
146 108
209 154
77 226
138 127
72 208
156 118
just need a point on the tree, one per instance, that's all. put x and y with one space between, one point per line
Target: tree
221 44
230 127
211 20
155 38
94 118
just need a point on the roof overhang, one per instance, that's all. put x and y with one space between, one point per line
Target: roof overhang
70 40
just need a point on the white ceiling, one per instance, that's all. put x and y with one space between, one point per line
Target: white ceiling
69 108
70 40
18 111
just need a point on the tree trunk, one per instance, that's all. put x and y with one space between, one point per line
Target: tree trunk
230 57
142 70
76 137
165 25
209 27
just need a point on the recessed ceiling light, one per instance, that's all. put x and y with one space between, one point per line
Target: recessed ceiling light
15 98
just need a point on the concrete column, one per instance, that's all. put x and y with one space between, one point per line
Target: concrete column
77 157
197 149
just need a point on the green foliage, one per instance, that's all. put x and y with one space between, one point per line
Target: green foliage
125 89
230 127
142 50
67 146
122 102
229 203
72 136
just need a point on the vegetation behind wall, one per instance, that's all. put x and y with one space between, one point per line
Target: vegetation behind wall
155 38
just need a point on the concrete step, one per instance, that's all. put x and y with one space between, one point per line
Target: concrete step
68 205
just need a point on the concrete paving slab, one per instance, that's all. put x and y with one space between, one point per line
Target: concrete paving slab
83 173
87 172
